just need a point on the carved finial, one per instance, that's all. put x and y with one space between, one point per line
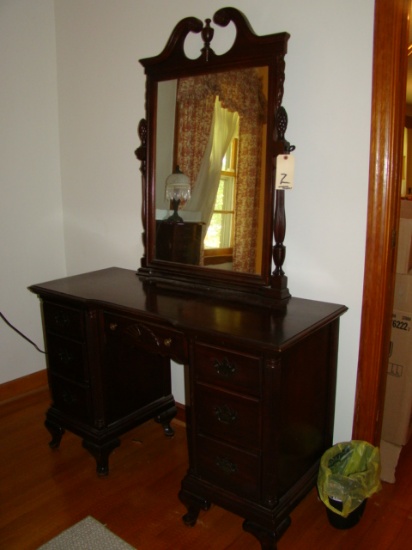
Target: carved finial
207 36
281 124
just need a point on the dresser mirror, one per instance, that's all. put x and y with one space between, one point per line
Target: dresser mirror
214 126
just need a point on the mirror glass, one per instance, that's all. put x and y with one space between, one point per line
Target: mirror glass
213 127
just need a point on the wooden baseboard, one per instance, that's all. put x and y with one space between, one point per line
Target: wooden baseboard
181 412
23 386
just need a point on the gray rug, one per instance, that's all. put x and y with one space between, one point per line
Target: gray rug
88 534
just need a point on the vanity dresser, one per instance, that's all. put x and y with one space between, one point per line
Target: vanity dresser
261 364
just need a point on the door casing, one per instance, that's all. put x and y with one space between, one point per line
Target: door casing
388 116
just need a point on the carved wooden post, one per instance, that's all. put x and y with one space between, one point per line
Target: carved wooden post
141 154
278 278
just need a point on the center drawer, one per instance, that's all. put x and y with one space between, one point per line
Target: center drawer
150 337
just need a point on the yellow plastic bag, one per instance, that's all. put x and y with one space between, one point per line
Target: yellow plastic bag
349 473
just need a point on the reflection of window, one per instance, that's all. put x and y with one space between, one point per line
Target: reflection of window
218 243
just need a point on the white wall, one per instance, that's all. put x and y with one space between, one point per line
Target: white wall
100 104
327 96
31 217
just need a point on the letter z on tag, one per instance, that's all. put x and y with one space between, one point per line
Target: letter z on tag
285 171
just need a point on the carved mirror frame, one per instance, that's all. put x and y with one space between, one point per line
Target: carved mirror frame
248 50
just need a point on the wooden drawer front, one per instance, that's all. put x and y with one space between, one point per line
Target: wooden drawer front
66 358
63 320
235 371
225 416
228 467
70 398
153 338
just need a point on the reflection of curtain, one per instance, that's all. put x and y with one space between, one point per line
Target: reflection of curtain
248 201
241 91
195 113
225 125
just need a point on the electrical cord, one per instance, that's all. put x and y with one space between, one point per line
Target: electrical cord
21 334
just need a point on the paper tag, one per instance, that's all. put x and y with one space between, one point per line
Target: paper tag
285 171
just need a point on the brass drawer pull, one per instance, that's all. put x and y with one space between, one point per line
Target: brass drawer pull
225 414
65 357
113 326
167 342
68 397
226 465
61 319
224 368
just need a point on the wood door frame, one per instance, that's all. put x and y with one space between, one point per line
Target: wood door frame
388 114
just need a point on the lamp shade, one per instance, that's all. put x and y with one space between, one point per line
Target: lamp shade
178 186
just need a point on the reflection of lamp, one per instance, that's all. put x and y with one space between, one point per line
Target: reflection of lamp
177 190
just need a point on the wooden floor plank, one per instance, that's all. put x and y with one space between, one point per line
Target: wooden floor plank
44 491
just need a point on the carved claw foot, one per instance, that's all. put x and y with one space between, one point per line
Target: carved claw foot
56 432
194 505
168 430
101 454
190 518
165 418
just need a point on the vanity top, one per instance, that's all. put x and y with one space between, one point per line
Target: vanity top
277 327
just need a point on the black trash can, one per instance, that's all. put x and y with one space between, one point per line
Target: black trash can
349 474
338 521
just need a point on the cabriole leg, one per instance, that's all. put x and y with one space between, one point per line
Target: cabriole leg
165 418
101 454
193 504
56 432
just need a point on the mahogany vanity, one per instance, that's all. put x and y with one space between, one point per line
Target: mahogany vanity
261 364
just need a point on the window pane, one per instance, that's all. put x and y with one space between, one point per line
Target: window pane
228 193
226 231
212 239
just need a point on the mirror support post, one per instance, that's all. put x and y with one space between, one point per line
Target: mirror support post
278 278
141 154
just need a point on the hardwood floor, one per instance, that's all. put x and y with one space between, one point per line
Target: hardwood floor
44 491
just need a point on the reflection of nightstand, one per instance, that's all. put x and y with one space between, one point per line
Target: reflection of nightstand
179 242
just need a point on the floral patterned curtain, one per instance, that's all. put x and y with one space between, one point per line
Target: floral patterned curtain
240 91
195 113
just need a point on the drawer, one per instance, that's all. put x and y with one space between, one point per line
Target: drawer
71 398
225 368
228 417
153 338
66 357
63 320
228 467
